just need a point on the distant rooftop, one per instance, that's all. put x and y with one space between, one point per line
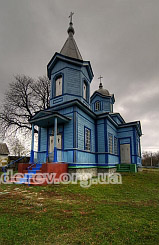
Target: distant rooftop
4 149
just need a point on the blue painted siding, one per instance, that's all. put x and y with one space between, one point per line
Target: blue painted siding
73 77
106 106
104 102
129 135
66 111
85 157
84 73
101 136
101 159
60 66
43 139
68 133
70 156
111 129
67 97
115 118
124 133
72 82
112 159
85 121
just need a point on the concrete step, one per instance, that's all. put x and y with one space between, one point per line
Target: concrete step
123 170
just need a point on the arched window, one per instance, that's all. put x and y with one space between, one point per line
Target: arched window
85 90
58 86
97 106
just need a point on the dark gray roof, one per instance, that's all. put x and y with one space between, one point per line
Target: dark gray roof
4 149
70 48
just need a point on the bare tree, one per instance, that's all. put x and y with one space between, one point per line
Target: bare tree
16 147
149 158
41 91
23 99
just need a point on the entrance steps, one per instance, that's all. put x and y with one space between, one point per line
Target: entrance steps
40 174
123 167
29 176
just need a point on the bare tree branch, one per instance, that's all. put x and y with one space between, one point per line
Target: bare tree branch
23 99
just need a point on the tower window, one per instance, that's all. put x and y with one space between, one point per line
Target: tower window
111 107
97 106
58 84
85 90
87 139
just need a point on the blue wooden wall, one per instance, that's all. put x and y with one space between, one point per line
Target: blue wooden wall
73 139
84 120
105 104
130 136
43 140
73 77
116 119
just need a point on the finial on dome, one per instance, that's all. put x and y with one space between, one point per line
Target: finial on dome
100 84
71 30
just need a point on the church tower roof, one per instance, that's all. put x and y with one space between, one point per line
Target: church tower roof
70 48
102 90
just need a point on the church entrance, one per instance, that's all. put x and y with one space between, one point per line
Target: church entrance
51 145
58 142
125 153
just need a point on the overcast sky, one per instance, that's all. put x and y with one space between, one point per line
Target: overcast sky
119 37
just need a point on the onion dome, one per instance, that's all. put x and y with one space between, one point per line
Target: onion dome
102 90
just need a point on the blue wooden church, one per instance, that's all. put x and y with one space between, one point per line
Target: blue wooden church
80 129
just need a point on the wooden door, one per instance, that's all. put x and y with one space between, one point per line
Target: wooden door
58 142
125 153
51 146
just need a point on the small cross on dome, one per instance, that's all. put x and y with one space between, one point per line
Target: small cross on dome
100 85
100 78
71 14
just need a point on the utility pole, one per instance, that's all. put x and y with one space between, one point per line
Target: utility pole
151 159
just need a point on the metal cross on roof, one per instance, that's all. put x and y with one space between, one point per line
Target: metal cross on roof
100 78
71 14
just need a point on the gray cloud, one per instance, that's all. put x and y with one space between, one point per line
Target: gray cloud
119 37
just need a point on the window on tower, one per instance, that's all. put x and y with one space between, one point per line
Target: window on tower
97 106
85 90
58 86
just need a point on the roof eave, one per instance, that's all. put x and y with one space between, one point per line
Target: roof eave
101 95
77 62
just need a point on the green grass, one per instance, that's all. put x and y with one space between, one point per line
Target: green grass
69 214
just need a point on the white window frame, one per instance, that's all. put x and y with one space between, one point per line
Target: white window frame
115 146
58 86
97 106
110 143
87 139
85 90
